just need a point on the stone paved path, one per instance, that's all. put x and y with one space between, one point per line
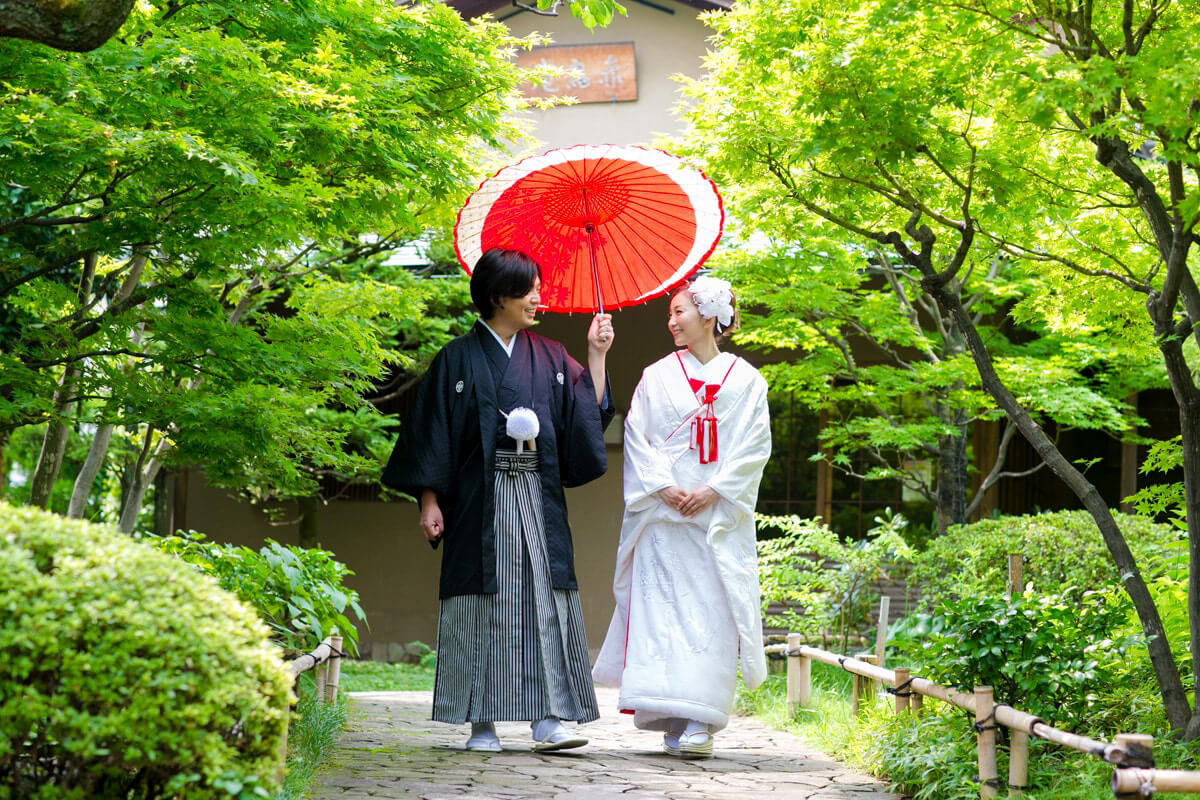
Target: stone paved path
392 750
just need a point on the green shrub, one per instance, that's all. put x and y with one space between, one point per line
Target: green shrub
1060 548
1048 655
297 591
126 674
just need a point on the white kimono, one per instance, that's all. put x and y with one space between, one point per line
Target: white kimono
687 590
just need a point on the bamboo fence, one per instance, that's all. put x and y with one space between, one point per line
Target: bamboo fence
1131 754
326 659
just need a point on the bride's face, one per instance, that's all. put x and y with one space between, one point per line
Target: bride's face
684 322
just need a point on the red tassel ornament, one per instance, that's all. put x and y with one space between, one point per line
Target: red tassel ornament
704 425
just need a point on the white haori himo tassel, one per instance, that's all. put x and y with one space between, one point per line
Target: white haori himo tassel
522 426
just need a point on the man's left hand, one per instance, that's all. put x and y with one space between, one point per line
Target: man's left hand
600 334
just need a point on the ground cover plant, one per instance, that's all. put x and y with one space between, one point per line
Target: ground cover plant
376 676
312 734
126 674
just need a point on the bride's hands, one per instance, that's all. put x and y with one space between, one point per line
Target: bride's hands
688 504
672 496
696 501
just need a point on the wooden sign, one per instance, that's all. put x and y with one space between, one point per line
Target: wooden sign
592 73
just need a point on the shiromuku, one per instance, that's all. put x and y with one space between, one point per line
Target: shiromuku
686 584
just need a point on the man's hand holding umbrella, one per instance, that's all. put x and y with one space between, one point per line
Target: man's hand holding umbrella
600 341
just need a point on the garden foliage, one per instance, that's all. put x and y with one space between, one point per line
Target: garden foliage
197 224
953 140
815 584
126 674
1059 549
297 591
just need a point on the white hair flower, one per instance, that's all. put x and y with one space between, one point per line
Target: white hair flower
713 298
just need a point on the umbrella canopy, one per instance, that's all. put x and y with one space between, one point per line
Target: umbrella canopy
611 226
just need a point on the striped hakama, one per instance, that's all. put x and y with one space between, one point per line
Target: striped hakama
519 654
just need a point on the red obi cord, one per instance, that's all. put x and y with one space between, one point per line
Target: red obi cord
704 425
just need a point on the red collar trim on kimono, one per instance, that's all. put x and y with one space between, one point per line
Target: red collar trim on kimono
704 425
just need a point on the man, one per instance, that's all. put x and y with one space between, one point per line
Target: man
511 644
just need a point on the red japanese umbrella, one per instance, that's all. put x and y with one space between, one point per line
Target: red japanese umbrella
611 226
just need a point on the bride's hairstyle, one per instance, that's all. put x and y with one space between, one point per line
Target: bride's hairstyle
714 298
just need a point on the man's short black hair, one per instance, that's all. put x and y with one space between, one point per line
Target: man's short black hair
500 274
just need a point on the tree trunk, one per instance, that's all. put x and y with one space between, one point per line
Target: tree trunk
54 443
3 463
100 442
1175 701
1187 398
88 472
143 474
309 511
952 479
1189 423
74 25
134 498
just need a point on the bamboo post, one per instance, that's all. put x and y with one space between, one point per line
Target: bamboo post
917 703
1018 762
1016 579
1140 744
799 675
869 688
985 741
902 674
334 673
1128 782
881 629
319 693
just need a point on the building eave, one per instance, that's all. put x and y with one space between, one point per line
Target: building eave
475 8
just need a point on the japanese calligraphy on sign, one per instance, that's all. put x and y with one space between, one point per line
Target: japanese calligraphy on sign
592 73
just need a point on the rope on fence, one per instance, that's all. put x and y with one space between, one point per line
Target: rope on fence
327 659
982 725
319 655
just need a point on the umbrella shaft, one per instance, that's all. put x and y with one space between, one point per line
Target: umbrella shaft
595 269
591 232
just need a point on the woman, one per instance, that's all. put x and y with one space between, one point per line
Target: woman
686 584
511 644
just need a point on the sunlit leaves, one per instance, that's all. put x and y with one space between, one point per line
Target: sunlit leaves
854 135
254 150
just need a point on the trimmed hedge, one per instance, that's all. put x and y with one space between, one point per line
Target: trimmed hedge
126 673
1060 549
